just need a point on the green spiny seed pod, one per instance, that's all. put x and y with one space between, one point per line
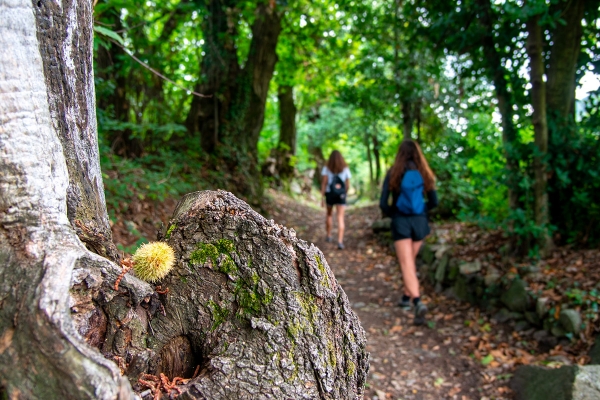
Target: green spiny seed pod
153 261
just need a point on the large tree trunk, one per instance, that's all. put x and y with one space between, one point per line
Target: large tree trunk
46 114
560 98
535 44
286 147
260 309
230 121
64 36
256 308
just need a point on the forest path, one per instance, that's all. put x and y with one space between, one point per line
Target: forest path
406 362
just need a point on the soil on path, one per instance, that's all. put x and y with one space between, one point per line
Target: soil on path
434 361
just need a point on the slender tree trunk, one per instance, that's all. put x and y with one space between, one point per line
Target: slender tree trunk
535 44
377 158
407 119
369 158
286 147
498 75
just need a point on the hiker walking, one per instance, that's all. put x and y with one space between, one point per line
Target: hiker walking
335 181
409 179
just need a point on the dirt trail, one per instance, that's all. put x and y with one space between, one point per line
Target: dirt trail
429 362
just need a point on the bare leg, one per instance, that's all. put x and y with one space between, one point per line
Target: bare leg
415 247
340 209
329 220
406 258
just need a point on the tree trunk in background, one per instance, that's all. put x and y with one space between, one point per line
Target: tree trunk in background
369 158
565 51
535 44
49 171
498 74
286 148
377 158
110 66
316 154
229 122
560 101
407 119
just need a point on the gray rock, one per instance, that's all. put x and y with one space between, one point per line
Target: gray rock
382 225
516 297
564 383
587 383
542 306
427 254
532 318
442 251
521 326
470 267
558 331
505 315
540 335
538 383
440 271
570 320
491 277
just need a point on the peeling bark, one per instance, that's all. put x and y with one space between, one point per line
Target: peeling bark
540 125
41 354
64 35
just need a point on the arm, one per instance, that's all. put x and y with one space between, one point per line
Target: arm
432 200
323 188
347 185
385 194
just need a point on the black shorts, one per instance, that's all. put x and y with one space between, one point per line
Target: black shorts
414 227
332 199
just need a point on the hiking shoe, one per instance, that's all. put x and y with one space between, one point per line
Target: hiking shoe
404 304
420 311
328 239
340 246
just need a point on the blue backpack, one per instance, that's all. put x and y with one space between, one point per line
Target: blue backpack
410 201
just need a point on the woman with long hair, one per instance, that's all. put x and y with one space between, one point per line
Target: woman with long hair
335 181
408 181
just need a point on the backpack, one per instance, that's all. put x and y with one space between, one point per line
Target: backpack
337 186
410 201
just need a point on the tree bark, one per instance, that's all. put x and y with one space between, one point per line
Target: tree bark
535 44
407 119
498 74
377 156
64 34
564 54
260 308
231 120
286 147
47 108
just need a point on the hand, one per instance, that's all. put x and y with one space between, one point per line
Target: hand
322 202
